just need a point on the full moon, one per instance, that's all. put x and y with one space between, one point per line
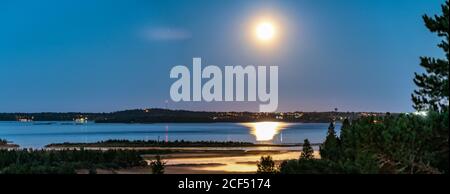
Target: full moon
265 31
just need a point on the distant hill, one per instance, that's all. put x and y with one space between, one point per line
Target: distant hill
155 115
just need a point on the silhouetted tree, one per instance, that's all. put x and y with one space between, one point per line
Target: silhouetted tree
158 165
347 140
307 151
266 165
330 148
433 88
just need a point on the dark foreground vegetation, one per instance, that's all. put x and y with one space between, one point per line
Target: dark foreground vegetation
68 161
404 144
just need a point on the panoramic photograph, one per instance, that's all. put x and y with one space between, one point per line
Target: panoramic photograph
227 87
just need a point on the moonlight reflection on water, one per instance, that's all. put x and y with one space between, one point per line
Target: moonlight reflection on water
265 131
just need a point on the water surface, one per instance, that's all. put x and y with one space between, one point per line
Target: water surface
39 134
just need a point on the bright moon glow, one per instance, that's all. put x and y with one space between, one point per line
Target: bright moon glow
265 31
265 131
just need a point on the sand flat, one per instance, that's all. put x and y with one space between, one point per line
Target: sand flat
222 162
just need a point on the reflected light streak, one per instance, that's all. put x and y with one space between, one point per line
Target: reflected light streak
265 131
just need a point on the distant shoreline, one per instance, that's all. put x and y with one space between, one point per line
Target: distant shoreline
154 115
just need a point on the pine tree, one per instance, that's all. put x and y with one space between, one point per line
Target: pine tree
331 131
330 148
307 152
433 88
345 127
266 165
347 141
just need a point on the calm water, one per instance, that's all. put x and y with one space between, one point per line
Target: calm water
39 134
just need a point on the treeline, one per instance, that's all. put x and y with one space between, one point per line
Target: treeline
66 161
49 116
182 116
152 143
405 144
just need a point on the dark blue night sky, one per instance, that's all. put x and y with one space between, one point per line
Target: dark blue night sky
107 55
